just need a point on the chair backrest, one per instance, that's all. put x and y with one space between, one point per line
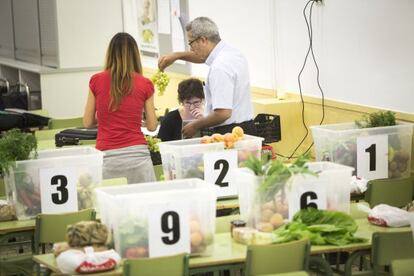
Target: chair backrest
394 191
176 265
223 223
66 122
51 228
277 258
389 246
403 267
114 181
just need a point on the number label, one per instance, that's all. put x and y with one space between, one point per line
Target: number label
170 224
219 168
223 167
61 181
168 229
307 192
372 156
58 191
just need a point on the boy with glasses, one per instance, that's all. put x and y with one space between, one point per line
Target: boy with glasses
191 99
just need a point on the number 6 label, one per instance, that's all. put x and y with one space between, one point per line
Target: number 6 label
219 168
168 229
58 192
372 157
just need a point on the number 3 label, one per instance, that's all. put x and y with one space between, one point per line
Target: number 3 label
168 229
58 192
372 156
219 168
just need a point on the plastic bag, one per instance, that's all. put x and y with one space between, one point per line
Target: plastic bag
75 261
386 215
358 185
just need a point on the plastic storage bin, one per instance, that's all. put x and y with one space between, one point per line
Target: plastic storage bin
81 164
266 211
339 143
185 158
141 217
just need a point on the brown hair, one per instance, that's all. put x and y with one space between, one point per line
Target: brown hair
122 61
190 88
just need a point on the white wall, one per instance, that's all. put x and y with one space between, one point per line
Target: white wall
364 49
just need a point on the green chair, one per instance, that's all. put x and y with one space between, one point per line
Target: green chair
223 223
51 228
176 265
402 267
277 258
294 273
389 246
66 122
395 191
386 247
114 181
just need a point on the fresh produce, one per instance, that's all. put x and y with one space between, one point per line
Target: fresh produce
152 143
133 238
161 80
321 227
229 139
199 239
27 195
377 119
86 195
272 202
15 145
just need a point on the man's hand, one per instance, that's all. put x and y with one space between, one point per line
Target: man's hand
189 130
165 61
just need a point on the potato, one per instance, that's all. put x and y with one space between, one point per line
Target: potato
265 227
196 239
269 205
206 140
195 226
276 220
266 214
217 137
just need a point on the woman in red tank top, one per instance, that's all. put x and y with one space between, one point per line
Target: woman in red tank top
116 101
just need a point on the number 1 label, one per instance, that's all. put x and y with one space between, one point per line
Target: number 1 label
168 229
58 192
372 156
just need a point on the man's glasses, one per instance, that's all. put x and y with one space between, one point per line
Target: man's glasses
195 104
194 40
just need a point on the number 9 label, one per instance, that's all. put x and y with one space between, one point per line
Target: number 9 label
372 156
168 229
58 193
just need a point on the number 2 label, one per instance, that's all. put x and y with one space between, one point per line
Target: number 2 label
219 168
372 156
58 191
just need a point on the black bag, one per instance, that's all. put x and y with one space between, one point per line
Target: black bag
72 136
17 118
15 97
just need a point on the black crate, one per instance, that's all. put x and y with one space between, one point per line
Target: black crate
268 127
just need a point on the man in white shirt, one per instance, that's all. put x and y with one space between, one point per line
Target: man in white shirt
227 90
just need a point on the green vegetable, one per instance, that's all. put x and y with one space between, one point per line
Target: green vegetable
321 227
160 80
276 173
15 145
377 119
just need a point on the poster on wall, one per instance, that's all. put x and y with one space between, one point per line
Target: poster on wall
147 27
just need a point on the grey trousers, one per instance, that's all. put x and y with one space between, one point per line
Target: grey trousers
133 162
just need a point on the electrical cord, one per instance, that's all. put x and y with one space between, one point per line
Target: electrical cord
309 51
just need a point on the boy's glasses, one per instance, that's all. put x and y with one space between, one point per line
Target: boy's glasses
195 104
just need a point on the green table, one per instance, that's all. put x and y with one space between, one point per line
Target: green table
229 254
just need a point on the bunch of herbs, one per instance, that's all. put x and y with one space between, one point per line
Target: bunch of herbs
377 119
